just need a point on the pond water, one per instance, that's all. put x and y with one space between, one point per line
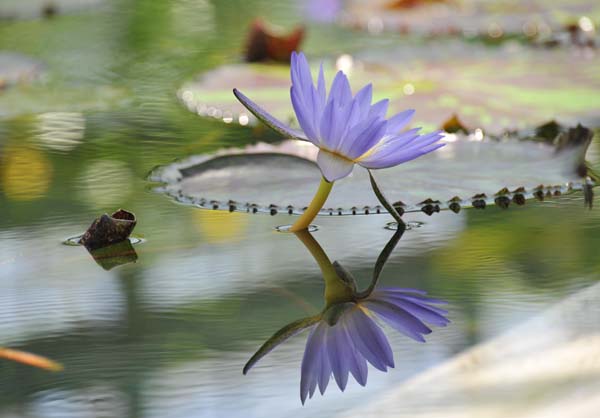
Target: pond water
169 334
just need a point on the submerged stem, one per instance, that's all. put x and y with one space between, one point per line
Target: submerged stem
315 206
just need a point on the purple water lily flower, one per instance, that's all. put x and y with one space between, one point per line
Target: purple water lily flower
354 339
348 130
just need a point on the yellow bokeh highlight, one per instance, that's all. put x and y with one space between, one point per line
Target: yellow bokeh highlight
219 226
26 173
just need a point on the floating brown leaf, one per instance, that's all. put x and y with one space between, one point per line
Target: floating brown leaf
263 45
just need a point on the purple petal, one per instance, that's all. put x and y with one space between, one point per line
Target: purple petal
399 319
268 119
308 103
364 97
333 167
324 370
334 123
379 108
425 301
362 141
356 362
423 312
399 121
353 118
339 354
321 87
417 299
301 76
340 89
358 366
310 361
370 340
355 132
304 116
401 290
327 123
395 142
399 152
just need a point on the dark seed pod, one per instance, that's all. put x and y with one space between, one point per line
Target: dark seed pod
479 204
519 199
430 209
399 208
454 207
539 195
502 202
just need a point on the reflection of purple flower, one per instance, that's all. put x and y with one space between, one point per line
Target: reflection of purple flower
343 342
348 130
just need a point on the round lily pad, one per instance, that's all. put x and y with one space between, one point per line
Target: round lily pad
495 89
15 9
467 172
495 17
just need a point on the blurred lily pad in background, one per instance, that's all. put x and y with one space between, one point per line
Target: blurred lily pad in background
512 87
531 17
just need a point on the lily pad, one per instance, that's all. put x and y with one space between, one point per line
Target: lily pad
15 9
467 172
530 17
511 87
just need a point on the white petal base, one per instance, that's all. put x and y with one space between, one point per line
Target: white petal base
333 166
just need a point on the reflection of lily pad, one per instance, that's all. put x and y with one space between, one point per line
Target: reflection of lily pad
495 16
17 68
16 9
17 101
508 88
467 172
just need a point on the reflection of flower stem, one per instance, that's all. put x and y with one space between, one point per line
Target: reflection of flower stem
315 206
316 251
382 259
336 288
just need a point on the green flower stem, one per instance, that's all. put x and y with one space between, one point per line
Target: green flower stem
315 206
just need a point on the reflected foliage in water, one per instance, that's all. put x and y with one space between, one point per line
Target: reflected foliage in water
168 335
344 337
